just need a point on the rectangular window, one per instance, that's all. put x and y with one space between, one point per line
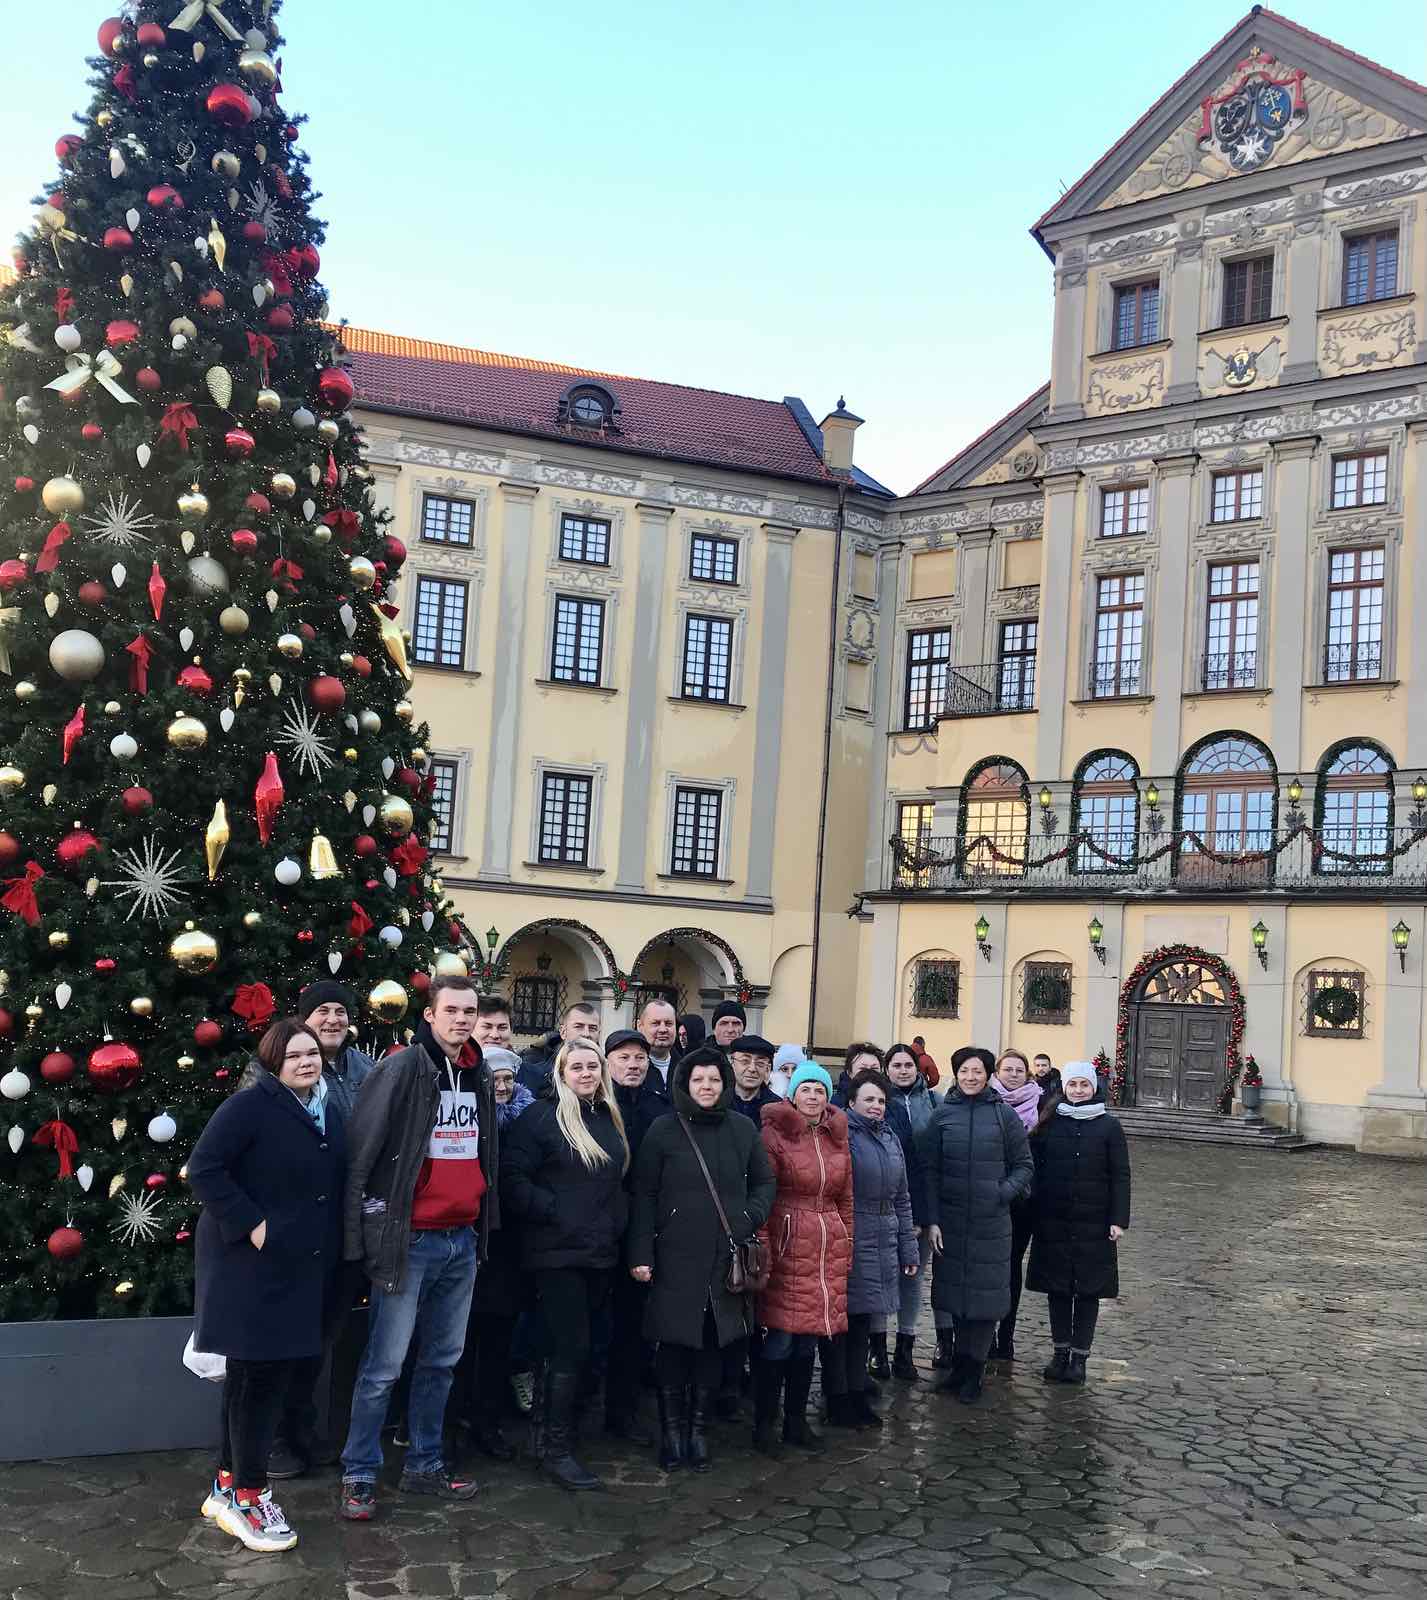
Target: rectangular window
1238 496
1119 635
565 799
1124 511
713 559
1360 480
579 640
443 804
708 658
1370 267
1335 1003
928 669
584 539
1045 992
1248 291
1136 314
1017 666
697 817
1353 649
535 1005
1232 630
936 987
439 637
447 521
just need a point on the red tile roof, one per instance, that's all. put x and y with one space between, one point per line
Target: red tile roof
511 394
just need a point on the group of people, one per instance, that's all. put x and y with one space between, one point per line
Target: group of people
702 1212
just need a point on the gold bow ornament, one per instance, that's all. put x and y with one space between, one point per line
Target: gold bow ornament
81 368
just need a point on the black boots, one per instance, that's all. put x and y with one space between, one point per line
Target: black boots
969 1390
945 1348
673 1419
697 1444
558 1461
1075 1367
902 1364
877 1364
795 1406
767 1388
1054 1369
955 1375
1005 1347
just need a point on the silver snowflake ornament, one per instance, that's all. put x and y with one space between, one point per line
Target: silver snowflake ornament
121 523
260 205
309 749
150 881
138 1220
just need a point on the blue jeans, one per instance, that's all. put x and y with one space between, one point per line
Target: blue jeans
433 1303
781 1346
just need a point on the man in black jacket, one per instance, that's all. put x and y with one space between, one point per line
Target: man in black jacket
751 1058
420 1203
579 1021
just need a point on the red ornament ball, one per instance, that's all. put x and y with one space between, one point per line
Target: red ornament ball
361 666
24 485
419 982
74 847
147 379
304 936
280 319
91 432
409 779
109 32
9 849
182 1236
254 232
364 845
156 1180
307 631
7 1024
335 389
136 801
120 332
326 693
259 504
105 964
207 1033
229 104
118 240
114 1067
92 593
239 443
164 194
151 35
12 574
395 550
194 678
212 300
64 1244
243 540
65 147
305 260
57 1067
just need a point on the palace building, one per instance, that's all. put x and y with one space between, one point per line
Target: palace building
1103 738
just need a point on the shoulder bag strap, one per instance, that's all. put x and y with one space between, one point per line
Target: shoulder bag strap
708 1178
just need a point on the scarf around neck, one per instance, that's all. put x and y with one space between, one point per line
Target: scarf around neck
1081 1113
1025 1101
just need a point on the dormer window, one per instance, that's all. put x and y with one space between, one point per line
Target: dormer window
589 405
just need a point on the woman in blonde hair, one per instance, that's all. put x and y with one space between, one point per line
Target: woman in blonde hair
562 1178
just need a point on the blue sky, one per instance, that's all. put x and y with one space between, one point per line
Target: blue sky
775 198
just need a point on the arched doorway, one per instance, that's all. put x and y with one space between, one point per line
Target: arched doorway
1180 1024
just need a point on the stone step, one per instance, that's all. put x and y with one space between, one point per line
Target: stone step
1197 1127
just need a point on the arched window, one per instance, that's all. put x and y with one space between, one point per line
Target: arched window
589 405
996 819
1227 798
1355 809
1107 810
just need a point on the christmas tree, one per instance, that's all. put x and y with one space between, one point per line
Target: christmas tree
211 788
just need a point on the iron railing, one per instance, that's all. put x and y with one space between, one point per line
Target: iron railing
1114 680
991 687
1236 670
1355 662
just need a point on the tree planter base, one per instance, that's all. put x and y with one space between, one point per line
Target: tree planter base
102 1388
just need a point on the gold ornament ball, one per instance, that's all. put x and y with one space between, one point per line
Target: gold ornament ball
187 733
405 711
193 950
349 754
450 965
418 756
242 675
103 118
122 1291
284 485
233 620
387 1001
141 1006
327 431
269 400
346 658
321 533
62 497
226 164
112 708
258 68
252 919
193 503
361 572
59 939
184 326
25 690
396 816
12 780
289 645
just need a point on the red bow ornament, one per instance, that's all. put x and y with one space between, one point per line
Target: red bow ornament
261 348
49 556
178 418
142 652
408 856
254 1003
60 1136
19 895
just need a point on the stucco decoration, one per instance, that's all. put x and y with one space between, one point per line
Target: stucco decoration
1020 461
1378 339
1125 386
1234 365
1265 112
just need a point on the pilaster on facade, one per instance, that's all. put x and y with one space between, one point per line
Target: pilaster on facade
1172 604
768 717
1062 491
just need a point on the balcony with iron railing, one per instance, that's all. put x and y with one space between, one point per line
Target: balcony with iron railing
1116 680
1359 661
1235 669
1295 858
991 688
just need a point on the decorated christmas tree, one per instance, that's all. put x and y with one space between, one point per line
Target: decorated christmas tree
211 788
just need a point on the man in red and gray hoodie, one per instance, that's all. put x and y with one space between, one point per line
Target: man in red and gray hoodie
421 1200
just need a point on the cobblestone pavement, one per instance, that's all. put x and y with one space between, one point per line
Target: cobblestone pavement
1255 1424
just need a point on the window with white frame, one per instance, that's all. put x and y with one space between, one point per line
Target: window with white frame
1119 635
1124 510
446 521
1353 648
1359 480
928 673
1231 637
1237 496
713 558
444 775
1136 318
578 644
584 539
438 636
566 801
1369 267
708 658
698 820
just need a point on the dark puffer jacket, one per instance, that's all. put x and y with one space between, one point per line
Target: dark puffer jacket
569 1216
809 1232
977 1162
676 1229
1082 1186
884 1237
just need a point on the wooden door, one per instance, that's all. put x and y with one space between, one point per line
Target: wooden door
1179 1056
1204 1038
1156 1062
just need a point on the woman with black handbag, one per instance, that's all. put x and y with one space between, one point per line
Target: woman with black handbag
703 1187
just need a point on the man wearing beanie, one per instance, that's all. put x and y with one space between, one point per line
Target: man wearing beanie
329 1008
729 1020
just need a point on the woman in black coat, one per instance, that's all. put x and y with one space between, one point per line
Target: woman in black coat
562 1176
976 1162
1082 1208
269 1170
678 1245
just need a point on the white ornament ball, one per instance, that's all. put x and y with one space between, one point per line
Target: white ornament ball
207 575
303 419
14 1085
391 935
162 1128
369 722
123 747
180 341
287 872
68 337
76 655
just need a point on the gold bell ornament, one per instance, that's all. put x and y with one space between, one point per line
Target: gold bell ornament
321 863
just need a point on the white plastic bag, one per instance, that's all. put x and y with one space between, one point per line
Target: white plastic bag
204 1363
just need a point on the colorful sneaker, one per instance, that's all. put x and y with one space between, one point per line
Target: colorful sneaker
443 1484
218 1497
259 1523
359 1501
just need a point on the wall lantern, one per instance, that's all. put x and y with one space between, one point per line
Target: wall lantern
1096 931
1419 789
983 935
1400 935
492 939
1152 796
1295 791
1259 934
1045 797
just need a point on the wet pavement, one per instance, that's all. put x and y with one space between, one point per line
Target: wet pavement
1255 1424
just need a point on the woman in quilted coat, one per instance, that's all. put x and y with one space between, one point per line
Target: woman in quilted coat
977 1161
809 1238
